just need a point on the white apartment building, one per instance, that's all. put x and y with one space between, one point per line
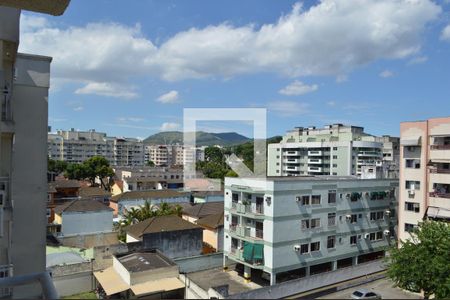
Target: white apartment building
333 150
24 80
299 226
172 155
77 146
424 173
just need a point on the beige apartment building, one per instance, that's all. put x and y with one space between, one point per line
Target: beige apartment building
24 80
424 173
172 155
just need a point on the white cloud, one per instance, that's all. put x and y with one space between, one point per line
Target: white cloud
168 126
288 108
331 103
320 40
445 34
418 60
170 97
107 89
130 119
386 74
78 108
298 88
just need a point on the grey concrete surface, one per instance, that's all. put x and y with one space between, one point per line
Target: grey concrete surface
384 287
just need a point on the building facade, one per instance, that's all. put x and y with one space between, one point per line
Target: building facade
424 173
24 80
77 146
172 155
289 226
333 150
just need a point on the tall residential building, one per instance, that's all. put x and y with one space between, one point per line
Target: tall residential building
298 226
424 172
77 146
24 81
172 155
333 150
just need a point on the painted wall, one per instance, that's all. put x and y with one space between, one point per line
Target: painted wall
174 244
74 223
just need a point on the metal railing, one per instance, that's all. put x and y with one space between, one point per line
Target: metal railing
44 279
440 171
259 233
439 195
440 147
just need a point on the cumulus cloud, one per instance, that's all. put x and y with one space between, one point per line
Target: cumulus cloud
167 98
130 119
288 108
168 126
386 74
445 34
108 89
298 88
320 40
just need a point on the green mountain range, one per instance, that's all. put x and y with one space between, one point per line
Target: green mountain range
203 138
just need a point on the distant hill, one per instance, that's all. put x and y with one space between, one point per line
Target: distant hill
203 138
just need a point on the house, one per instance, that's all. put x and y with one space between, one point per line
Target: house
300 226
212 230
145 274
120 203
95 193
201 210
171 235
84 217
208 196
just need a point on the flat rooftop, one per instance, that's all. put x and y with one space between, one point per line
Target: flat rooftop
305 178
144 261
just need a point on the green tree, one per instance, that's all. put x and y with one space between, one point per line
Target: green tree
214 154
56 166
423 262
98 166
75 171
150 163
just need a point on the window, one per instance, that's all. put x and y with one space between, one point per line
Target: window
315 223
353 218
376 215
331 242
334 165
353 240
305 224
304 248
412 185
412 163
332 219
372 236
315 246
49 212
411 206
409 227
234 197
305 200
334 148
379 235
334 156
315 199
332 196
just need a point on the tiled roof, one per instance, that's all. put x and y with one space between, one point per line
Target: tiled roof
211 221
158 224
82 205
64 184
131 195
201 210
92 192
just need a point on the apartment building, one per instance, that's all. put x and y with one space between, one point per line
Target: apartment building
333 150
24 79
172 155
77 146
291 227
424 172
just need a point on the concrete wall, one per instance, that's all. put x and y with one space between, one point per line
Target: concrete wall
174 244
199 263
74 223
73 279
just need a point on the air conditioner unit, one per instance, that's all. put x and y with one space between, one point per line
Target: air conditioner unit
411 192
387 212
297 248
386 232
298 199
348 217
366 235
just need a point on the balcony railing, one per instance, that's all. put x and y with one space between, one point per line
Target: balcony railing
439 195
440 147
440 171
48 289
259 233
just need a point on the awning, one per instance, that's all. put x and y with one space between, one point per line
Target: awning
110 281
410 141
258 251
438 213
248 251
157 286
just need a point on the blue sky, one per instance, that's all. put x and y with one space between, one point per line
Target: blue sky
129 68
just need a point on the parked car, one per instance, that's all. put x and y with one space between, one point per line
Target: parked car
365 294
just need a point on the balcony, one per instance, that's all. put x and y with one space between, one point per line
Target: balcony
315 153
314 161
291 161
315 169
44 279
440 152
291 168
439 195
370 154
292 153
